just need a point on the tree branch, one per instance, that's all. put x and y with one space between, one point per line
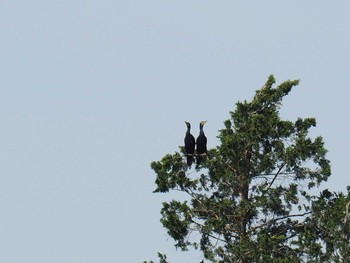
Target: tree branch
274 178
274 220
196 154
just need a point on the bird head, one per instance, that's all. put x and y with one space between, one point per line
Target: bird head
188 124
201 124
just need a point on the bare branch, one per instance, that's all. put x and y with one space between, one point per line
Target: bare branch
274 220
274 178
196 154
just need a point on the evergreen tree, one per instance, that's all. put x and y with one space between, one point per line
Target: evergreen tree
250 200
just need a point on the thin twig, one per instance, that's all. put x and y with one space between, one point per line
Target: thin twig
274 178
277 219
233 169
196 154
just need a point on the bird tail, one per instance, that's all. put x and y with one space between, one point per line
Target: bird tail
190 160
199 159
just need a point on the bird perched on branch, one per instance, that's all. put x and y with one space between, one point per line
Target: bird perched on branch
189 144
201 143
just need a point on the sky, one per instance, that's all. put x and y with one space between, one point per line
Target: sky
91 92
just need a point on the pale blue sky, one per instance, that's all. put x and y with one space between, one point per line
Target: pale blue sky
92 91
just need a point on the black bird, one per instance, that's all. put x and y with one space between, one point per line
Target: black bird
201 143
189 144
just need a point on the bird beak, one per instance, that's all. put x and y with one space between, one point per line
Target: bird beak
204 122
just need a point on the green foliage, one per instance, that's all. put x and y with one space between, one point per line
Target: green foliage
327 235
249 200
162 259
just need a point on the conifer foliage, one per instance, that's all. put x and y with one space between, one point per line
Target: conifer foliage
250 200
